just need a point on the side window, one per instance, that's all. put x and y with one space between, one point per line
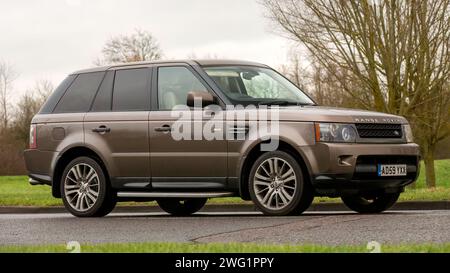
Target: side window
173 85
51 102
102 102
78 97
131 90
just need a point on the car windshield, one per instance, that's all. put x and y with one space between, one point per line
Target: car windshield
256 85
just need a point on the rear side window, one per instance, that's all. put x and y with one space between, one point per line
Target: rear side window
131 90
102 101
51 102
79 96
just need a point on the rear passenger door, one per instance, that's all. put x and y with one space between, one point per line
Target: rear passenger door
117 126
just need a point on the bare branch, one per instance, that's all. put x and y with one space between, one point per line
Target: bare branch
139 46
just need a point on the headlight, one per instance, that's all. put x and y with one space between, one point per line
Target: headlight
408 133
335 132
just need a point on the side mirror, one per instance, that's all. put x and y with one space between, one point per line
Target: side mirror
199 98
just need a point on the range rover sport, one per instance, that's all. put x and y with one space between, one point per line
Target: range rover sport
107 135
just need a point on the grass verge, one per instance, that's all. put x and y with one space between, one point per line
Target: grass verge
224 248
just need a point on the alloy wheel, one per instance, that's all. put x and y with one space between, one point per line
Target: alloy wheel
82 187
275 183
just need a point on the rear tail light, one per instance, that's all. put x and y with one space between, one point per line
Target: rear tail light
33 136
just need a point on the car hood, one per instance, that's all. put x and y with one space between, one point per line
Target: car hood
333 114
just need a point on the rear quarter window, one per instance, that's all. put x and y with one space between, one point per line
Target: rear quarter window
79 96
51 102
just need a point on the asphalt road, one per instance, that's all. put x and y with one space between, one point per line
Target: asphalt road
326 228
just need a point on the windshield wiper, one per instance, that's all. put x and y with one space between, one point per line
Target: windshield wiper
282 102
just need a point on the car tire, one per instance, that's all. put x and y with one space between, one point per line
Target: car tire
85 191
373 204
181 207
277 185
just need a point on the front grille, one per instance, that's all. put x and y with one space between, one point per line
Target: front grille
371 130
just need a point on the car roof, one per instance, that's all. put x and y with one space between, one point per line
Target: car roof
201 62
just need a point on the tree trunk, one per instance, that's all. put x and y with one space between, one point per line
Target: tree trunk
430 175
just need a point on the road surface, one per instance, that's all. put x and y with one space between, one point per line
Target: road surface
325 228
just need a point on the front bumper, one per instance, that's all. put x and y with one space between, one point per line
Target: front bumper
344 169
335 186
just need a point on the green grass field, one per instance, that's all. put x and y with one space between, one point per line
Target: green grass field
442 174
15 191
226 248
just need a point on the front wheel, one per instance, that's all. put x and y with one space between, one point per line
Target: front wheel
371 204
277 185
181 207
85 190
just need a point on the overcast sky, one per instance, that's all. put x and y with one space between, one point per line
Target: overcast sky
47 39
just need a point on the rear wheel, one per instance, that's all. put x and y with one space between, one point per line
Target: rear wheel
277 185
85 190
371 204
181 207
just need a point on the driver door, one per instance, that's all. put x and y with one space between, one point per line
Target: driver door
182 163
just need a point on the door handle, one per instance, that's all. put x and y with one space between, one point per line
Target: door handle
101 129
164 128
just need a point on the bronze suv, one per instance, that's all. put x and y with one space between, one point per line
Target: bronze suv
107 135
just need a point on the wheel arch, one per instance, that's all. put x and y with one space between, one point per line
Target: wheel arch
255 151
66 157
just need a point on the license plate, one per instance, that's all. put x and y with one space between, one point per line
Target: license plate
391 170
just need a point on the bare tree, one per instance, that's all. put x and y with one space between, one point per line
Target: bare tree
297 70
397 52
323 84
210 56
41 90
28 105
7 76
139 46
